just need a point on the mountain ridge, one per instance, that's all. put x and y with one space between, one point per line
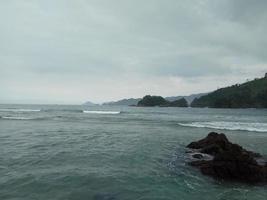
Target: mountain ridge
134 101
251 94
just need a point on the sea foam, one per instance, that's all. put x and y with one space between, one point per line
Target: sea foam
234 126
16 118
102 112
18 110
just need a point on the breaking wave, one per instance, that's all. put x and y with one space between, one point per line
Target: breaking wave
234 126
102 112
16 118
18 110
63 110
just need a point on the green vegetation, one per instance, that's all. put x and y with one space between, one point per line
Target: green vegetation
179 103
124 102
149 101
152 101
252 94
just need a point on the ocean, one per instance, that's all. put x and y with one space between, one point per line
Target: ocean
56 152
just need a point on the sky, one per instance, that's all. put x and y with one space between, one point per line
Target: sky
69 52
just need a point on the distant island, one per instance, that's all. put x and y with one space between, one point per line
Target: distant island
89 103
149 101
134 101
123 102
252 94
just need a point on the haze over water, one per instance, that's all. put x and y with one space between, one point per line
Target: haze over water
118 153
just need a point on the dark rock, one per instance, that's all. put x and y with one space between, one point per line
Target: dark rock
230 162
199 163
212 149
198 156
212 139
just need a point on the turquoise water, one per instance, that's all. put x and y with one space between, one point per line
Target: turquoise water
120 153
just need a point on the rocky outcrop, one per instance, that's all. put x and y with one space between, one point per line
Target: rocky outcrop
227 160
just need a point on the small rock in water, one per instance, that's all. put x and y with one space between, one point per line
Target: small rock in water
230 161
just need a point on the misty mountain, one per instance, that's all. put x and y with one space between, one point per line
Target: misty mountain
188 98
151 101
134 101
89 103
124 102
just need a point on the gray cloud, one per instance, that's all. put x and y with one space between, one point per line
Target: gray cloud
121 42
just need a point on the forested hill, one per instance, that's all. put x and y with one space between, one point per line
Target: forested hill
252 94
150 101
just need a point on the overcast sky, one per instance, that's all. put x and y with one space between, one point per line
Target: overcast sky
71 51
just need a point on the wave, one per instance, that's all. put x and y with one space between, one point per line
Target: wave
17 118
233 126
63 110
18 110
102 112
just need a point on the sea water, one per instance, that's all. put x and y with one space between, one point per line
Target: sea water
118 153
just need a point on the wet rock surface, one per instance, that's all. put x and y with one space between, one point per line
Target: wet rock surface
229 161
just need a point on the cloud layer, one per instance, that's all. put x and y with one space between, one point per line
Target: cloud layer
68 51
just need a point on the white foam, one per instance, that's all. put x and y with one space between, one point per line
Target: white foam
243 126
102 112
18 110
17 118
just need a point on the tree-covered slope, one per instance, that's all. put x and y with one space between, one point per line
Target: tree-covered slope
123 102
149 101
179 103
152 101
252 94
